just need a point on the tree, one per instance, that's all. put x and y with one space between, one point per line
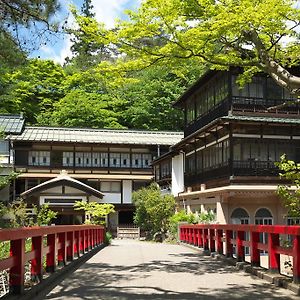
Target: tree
153 210
86 52
95 212
32 88
147 102
291 173
27 23
81 109
257 35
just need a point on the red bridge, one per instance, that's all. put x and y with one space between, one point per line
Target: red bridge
57 247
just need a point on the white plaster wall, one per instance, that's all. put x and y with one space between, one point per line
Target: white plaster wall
177 174
112 198
127 191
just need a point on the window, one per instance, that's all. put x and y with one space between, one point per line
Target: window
110 186
68 159
137 160
125 160
83 159
147 160
114 160
4 147
39 158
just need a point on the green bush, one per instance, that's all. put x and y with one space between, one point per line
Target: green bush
107 238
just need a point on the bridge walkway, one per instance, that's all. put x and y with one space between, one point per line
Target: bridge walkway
131 270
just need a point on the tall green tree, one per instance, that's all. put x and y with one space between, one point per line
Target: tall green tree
85 51
257 35
32 88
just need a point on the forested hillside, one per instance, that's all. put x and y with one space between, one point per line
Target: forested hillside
80 94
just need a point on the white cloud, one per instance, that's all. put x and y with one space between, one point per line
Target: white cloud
108 10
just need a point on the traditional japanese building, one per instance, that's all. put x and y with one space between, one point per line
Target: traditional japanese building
9 125
232 138
59 166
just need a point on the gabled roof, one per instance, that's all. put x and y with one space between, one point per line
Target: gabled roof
62 180
11 124
103 136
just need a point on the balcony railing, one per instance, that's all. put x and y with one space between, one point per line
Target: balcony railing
251 104
255 168
221 109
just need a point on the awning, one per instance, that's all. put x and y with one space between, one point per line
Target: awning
63 180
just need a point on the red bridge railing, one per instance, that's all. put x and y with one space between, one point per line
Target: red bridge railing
57 244
223 238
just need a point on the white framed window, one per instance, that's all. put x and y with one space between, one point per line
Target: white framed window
39 158
147 160
114 160
110 186
125 160
79 159
104 159
136 161
68 159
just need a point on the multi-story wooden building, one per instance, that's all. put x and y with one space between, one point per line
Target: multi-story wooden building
59 166
232 139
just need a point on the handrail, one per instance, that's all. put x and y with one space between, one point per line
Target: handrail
64 243
214 237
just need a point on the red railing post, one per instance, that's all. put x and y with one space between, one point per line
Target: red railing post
62 253
82 241
51 256
212 245
205 239
37 262
200 238
296 259
274 258
16 273
219 241
254 251
87 241
195 236
70 248
77 244
240 251
229 248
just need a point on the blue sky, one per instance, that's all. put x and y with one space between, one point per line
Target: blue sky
106 11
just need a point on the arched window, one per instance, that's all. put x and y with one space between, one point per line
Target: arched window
240 216
263 213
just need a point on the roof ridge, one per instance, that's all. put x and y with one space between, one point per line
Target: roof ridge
119 130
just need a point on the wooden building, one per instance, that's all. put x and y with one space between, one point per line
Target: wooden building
9 125
59 166
232 138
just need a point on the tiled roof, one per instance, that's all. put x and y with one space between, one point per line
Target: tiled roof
102 136
263 119
11 124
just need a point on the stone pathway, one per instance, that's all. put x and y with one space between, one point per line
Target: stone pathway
130 270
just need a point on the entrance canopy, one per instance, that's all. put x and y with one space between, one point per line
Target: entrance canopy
62 179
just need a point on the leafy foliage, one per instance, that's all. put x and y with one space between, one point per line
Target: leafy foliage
32 89
257 35
45 215
95 212
291 197
153 210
